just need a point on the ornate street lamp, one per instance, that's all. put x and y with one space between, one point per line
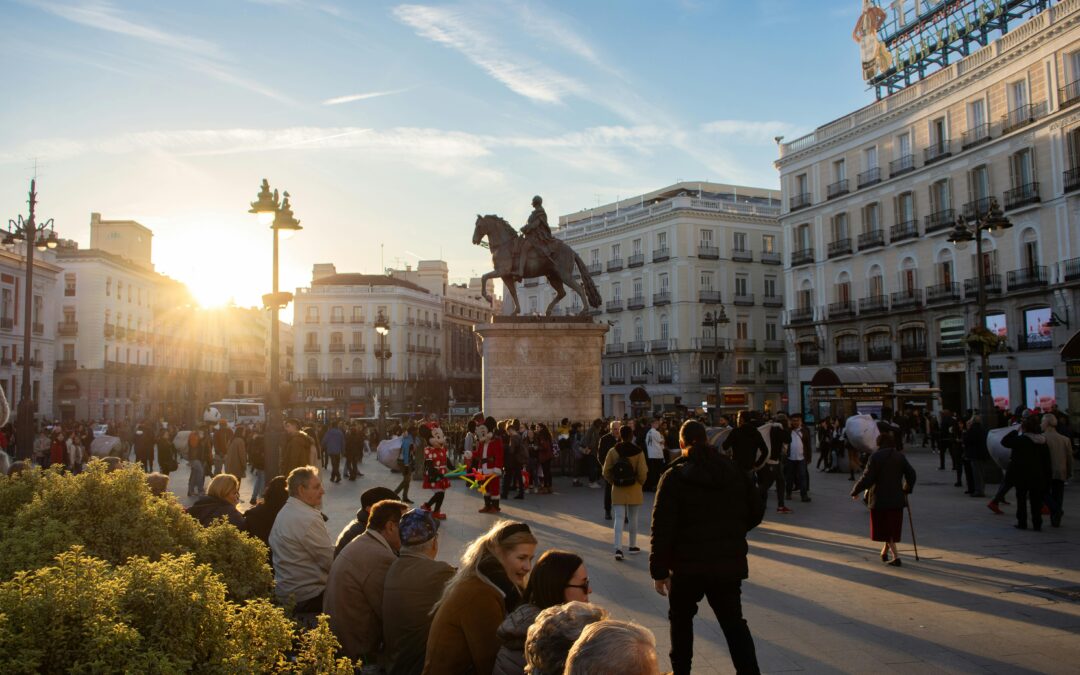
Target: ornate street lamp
717 320
382 327
980 338
279 216
41 237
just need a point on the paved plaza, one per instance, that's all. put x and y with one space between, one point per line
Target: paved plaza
818 599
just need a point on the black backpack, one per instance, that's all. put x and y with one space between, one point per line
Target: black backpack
623 473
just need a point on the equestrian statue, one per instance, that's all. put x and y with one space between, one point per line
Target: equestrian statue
535 253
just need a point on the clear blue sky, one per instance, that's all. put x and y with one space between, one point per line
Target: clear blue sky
395 123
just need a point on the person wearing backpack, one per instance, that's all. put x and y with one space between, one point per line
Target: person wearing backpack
626 470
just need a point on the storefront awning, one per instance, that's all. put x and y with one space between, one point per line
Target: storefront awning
836 376
1071 350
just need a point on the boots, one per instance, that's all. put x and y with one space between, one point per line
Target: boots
487 505
495 506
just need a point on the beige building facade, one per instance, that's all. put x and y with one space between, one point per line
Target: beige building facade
878 301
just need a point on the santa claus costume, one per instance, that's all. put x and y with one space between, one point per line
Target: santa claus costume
488 460
435 469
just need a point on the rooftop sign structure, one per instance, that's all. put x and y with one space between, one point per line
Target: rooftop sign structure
903 41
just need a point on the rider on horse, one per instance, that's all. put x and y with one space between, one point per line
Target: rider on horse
535 235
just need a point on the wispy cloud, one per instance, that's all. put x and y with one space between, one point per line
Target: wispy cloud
750 130
521 75
338 100
323 7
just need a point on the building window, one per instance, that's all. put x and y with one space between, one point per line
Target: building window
770 330
840 227
742 284
313 367
1018 95
742 329
69 285
940 196
905 207
662 281
594 256
740 241
706 281
706 237
770 287
337 315
839 170
312 314
768 243
616 291
108 286
661 240
976 112
1022 168
636 246
871 214
664 329
802 237
870 158
742 367
979 183
903 145
939 133
615 251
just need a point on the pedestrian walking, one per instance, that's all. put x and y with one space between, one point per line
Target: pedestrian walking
256 452
405 462
333 444
1029 463
888 479
1061 466
236 456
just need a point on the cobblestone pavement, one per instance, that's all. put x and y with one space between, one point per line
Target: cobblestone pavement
818 598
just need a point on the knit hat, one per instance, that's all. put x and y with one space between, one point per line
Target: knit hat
417 527
373 496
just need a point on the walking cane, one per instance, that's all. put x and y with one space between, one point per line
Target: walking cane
911 522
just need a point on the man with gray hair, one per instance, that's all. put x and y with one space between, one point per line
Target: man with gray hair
611 646
554 632
1061 467
300 544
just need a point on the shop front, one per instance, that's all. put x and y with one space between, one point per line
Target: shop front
1070 354
843 391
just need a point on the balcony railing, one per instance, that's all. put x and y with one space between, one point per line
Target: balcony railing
635 346
975 135
711 344
534 281
771 258
614 305
772 301
913 351
67 328
639 379
809 358
943 293
879 353
942 220
635 260
595 268
1023 116
1031 277
839 247
992 284
977 208
744 300
871 239
873 304
848 355
356 319
614 348
774 346
939 150
636 302
742 255
312 349
709 296
617 379
801 315
1072 179
1022 195
109 330
910 298
901 166
38 329
66 365
661 254
337 319
1072 269
337 347
903 231
664 378
837 189
662 345
357 349
745 344
121 333
844 308
708 252
799 201
661 298
951 348
1069 94
802 256
69 292
869 177
614 265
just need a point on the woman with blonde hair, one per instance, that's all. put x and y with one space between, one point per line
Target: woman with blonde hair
487 586
220 501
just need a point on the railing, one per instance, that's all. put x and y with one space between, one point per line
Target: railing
800 201
614 348
1072 179
871 239
356 319
1021 195
635 347
312 349
802 256
836 189
337 319
941 293
848 356
635 260
809 358
975 135
839 247
841 309
38 328
357 349
977 208
121 333
410 321
801 315
661 254
873 304
774 346
69 292
1031 277
952 348
742 255
879 353
941 220
534 281
744 300
109 330
311 319
901 166
939 150
906 230
772 301
617 379
711 344
639 379
67 328
1069 94
869 177
745 344
1022 116
1072 269
614 305
662 345
337 347
707 378
595 268
906 299
709 296
614 265
664 378
991 283
913 351
661 298
708 252
771 258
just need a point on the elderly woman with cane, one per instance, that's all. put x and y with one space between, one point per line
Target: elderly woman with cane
888 479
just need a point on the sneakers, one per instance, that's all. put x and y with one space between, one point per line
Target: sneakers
993 506
618 555
634 550
438 515
783 509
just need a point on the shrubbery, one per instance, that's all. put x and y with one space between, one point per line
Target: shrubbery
97 575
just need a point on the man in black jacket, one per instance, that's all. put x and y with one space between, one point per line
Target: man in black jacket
746 443
705 504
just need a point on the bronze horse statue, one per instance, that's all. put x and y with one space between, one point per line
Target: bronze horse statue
558 267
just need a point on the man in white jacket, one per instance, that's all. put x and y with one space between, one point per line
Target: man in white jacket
302 549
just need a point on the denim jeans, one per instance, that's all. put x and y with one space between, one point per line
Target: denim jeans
796 475
622 511
258 478
196 478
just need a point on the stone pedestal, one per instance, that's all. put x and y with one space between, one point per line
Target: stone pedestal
542 368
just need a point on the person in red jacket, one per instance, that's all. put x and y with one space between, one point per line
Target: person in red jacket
435 469
487 459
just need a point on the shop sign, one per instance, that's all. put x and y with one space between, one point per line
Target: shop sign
734 399
1072 369
356 409
908 372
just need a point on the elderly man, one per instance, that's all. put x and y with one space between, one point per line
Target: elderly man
354 591
356 527
613 647
413 585
300 544
554 632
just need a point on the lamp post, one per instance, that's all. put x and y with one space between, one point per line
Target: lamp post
382 327
279 216
717 320
994 222
36 238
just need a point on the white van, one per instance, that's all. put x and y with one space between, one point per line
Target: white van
235 411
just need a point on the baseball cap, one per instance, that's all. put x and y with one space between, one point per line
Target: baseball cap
417 527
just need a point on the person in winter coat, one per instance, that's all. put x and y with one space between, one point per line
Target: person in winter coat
626 470
256 452
889 478
772 471
298 447
222 435
558 577
1061 466
975 454
747 447
166 453
236 456
259 520
221 499
1029 465
705 504
144 447
333 444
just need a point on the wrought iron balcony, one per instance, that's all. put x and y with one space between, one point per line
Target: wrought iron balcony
707 252
841 309
38 328
311 319
799 201
635 347
66 365
975 135
1069 94
910 298
67 328
614 348
992 285
915 350
639 379
901 166
337 347
942 220
337 319
977 208
744 344
312 349
109 330
771 258
883 353
711 344
1031 277
661 254
356 319
848 355
837 189
801 315
614 305
617 379
1023 116
708 296
662 345
595 268
744 300
1072 269
1022 195
802 256
839 247
357 348
635 260
664 378
742 255
772 301
903 231
951 348
661 298
939 150
943 293
871 239
1072 179
774 346
873 304
614 265
636 302
708 378
869 177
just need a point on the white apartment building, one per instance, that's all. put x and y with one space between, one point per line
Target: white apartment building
878 301
662 261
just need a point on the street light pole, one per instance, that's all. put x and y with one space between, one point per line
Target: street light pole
716 321
34 235
382 327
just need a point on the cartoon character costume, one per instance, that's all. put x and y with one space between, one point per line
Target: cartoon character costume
435 469
487 459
